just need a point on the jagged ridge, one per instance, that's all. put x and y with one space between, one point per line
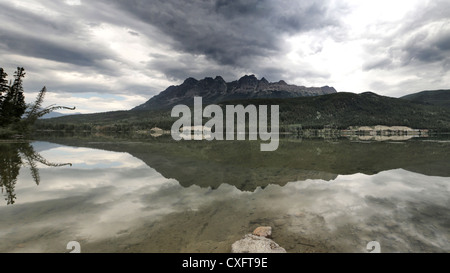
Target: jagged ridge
217 90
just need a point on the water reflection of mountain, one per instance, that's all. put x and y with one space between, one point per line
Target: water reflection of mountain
13 156
240 163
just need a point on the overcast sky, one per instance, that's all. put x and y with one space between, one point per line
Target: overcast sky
115 54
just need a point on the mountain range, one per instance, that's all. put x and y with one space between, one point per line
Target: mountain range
217 90
433 97
310 107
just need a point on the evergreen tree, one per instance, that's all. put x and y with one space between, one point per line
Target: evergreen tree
3 84
15 115
3 88
35 111
13 104
18 96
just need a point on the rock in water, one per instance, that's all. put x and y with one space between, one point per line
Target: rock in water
256 244
263 232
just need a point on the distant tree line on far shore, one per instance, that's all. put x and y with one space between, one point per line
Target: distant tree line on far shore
340 111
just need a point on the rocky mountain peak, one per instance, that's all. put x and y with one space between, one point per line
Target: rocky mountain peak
219 79
190 81
216 90
263 80
248 80
207 80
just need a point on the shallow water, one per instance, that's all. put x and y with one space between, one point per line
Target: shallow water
162 196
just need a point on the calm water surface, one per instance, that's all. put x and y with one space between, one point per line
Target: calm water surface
161 196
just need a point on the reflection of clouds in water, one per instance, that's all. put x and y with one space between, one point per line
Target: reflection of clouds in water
397 207
348 212
109 199
389 205
85 158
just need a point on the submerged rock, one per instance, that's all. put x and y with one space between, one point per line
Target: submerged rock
256 244
263 232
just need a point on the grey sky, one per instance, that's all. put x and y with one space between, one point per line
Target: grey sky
108 55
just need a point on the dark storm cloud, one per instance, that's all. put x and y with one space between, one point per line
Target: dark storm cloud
134 33
177 69
423 38
383 63
50 50
274 74
141 47
443 43
57 39
34 23
231 32
433 11
429 45
235 36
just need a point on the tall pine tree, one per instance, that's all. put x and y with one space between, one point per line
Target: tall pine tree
18 97
14 112
13 105
3 85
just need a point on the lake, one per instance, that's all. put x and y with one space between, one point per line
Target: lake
114 194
